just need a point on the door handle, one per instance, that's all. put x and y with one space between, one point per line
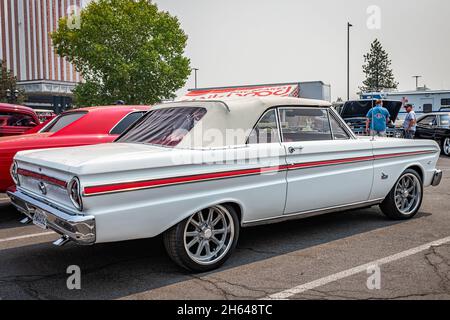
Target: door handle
293 149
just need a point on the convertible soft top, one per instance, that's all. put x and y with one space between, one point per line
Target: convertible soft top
231 118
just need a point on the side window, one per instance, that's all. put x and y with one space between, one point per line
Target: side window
63 121
304 124
266 130
445 120
126 122
339 132
16 120
428 121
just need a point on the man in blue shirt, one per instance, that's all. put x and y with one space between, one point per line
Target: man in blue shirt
377 118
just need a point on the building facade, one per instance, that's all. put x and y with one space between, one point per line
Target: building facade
27 48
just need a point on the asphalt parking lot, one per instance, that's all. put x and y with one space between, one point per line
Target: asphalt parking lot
325 257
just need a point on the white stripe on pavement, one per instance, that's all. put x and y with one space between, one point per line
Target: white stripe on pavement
27 236
350 272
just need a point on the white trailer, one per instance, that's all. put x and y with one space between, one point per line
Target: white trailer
424 101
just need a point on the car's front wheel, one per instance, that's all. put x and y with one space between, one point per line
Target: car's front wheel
205 240
446 146
405 198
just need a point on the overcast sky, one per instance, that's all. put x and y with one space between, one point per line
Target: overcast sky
237 42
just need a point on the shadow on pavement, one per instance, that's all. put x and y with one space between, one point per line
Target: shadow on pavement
115 270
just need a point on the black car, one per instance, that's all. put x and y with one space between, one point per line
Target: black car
354 113
435 126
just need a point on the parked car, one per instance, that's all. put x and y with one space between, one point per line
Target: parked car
354 114
435 126
16 120
73 128
198 172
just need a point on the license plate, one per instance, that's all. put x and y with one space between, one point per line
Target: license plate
40 219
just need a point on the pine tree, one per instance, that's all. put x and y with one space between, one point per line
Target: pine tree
378 71
8 82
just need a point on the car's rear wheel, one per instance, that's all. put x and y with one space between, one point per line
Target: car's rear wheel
446 146
205 240
405 198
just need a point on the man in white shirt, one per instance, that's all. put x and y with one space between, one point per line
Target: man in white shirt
409 125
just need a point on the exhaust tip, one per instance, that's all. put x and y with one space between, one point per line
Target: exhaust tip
61 241
25 220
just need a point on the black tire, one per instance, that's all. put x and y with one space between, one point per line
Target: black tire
174 242
389 206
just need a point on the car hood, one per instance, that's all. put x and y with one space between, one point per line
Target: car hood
358 109
97 159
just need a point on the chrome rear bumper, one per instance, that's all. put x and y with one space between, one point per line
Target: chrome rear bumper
437 177
80 229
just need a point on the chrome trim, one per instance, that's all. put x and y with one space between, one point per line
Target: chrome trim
78 206
311 213
14 174
345 126
80 229
437 178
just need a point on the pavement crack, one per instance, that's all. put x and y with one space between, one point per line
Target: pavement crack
218 283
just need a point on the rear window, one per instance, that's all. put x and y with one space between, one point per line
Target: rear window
126 122
63 121
165 127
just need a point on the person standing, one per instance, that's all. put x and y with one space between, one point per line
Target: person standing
409 125
377 118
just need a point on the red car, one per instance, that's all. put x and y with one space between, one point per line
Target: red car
73 128
16 120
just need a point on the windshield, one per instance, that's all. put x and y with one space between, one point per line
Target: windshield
165 127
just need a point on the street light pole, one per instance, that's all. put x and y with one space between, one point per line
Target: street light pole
417 81
349 25
195 75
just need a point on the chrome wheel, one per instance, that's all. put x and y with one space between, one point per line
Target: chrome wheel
446 146
408 193
209 235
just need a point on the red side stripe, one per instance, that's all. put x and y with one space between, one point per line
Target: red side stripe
329 162
38 176
127 186
177 180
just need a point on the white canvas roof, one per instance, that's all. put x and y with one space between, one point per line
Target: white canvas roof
236 116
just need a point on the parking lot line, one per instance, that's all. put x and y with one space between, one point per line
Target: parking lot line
27 236
286 294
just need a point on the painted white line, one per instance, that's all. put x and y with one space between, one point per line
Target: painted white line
283 295
35 235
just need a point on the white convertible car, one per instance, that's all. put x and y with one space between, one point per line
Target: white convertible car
199 171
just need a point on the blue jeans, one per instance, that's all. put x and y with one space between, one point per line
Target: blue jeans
409 134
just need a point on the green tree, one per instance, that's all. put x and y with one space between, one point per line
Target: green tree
378 71
9 82
124 50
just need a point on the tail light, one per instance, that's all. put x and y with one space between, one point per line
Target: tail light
74 190
14 174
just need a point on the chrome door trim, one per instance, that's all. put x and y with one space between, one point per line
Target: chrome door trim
312 213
